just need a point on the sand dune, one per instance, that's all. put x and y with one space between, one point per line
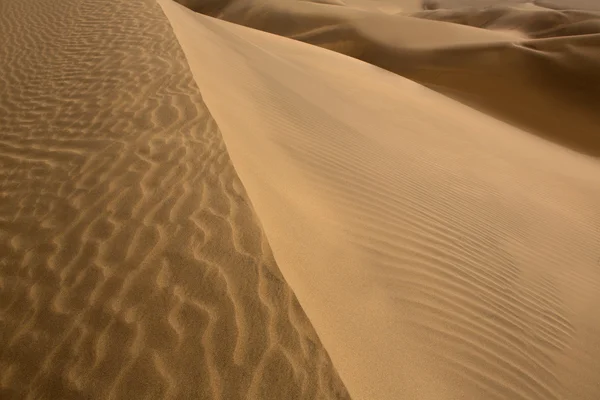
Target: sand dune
547 59
587 5
131 263
441 232
439 253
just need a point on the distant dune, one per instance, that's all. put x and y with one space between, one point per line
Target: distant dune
548 59
288 199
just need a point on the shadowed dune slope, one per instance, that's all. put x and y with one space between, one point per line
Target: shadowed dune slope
547 84
132 265
586 5
438 252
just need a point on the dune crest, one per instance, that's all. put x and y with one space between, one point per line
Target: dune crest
439 252
486 58
296 199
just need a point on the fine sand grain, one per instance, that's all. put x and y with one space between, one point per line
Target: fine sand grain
132 265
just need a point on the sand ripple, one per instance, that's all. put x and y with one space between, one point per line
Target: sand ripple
440 253
132 264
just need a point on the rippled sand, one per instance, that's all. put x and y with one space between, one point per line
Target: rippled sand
439 252
424 177
132 263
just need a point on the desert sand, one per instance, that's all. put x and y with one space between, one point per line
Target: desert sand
133 265
265 199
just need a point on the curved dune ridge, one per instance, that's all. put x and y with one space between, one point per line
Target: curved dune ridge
423 176
548 59
132 265
439 252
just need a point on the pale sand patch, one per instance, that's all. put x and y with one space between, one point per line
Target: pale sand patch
439 253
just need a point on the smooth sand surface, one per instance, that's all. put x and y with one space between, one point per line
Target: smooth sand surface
440 253
548 60
132 264
417 208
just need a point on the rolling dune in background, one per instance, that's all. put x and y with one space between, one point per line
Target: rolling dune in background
416 214
547 59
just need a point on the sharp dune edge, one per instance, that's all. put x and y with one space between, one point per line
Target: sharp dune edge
551 69
439 250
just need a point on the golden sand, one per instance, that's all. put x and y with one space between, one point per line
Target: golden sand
260 199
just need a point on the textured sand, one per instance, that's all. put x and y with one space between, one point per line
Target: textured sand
438 252
132 264
424 177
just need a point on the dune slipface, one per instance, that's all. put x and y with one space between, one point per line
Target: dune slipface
439 252
131 262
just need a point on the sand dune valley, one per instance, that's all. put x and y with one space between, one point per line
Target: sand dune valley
300 199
